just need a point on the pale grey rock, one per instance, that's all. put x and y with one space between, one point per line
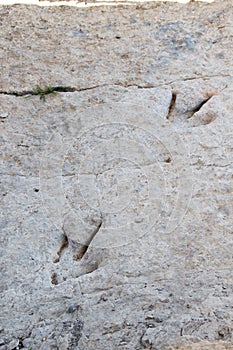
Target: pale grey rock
150 44
116 220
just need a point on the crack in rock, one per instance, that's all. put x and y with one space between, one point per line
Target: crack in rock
199 106
53 89
85 247
172 105
63 247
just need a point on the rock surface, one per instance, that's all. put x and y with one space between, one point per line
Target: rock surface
117 177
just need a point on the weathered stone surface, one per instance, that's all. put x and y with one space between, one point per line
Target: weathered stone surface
144 45
117 201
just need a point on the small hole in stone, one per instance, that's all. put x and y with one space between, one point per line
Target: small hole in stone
36 189
72 308
118 37
168 160
54 278
221 334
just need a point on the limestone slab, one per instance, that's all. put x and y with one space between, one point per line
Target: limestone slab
117 192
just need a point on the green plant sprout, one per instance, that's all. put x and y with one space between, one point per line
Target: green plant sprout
43 92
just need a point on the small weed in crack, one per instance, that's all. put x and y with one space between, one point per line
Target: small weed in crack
43 92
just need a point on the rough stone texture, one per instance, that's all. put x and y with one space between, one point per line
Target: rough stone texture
117 190
147 45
